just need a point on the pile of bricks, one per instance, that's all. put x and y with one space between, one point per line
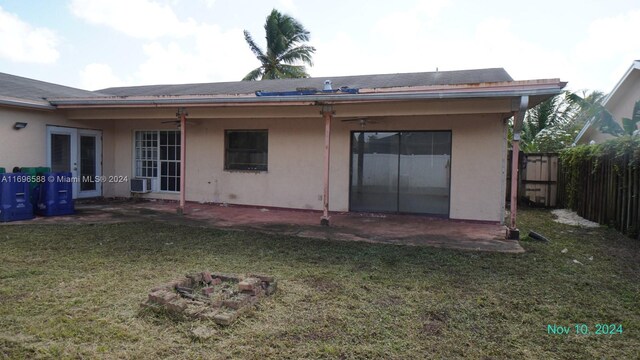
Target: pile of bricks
213 296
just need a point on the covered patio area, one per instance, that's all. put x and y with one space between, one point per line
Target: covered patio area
413 230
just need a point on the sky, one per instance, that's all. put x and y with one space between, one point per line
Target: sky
95 44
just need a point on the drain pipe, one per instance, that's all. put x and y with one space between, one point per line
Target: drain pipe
513 233
182 114
327 112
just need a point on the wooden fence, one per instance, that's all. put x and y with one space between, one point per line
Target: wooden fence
605 189
538 179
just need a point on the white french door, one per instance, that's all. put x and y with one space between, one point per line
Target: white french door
78 151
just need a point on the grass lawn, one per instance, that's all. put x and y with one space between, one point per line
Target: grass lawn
74 291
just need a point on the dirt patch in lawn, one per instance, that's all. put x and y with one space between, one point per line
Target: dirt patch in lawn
432 323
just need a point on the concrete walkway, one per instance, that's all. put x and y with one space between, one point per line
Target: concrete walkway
376 228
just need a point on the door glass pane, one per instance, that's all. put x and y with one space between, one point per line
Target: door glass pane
425 160
87 163
169 161
374 171
60 152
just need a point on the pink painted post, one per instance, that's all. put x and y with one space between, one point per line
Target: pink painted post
183 160
518 118
327 113
515 155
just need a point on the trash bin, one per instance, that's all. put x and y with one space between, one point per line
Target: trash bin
34 173
14 198
56 195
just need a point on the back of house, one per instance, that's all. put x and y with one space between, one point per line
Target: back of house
431 143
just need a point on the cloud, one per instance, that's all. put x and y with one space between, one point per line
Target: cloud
431 8
21 42
99 76
414 47
209 3
610 37
287 6
341 55
203 53
141 19
609 41
211 55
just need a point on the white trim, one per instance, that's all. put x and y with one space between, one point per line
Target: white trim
73 151
634 66
159 166
98 136
74 136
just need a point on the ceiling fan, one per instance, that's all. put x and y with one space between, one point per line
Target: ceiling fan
177 122
363 121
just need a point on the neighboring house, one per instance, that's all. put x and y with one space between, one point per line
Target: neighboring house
427 143
619 102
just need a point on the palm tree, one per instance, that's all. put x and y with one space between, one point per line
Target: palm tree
285 37
630 124
554 113
591 110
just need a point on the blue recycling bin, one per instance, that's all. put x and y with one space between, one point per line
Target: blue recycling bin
35 175
15 201
56 195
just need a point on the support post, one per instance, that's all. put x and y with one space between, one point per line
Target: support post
182 116
518 118
327 113
515 169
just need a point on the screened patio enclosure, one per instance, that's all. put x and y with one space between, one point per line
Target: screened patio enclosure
400 172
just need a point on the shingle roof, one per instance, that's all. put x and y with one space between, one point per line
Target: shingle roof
358 81
29 89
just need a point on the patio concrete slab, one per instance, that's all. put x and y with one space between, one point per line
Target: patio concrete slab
376 228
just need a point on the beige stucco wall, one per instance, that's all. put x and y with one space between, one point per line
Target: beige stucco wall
27 147
294 178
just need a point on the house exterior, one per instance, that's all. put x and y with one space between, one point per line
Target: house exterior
430 143
619 103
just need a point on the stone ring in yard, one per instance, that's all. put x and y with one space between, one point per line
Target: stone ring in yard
212 296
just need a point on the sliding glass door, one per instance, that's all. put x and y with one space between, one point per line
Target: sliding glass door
405 172
374 185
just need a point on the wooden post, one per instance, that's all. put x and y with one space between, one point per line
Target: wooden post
327 113
182 113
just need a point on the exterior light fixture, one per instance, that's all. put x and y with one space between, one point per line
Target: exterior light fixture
20 125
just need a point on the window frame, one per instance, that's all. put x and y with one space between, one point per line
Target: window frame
158 162
226 150
144 159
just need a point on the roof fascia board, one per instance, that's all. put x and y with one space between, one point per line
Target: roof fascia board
308 99
26 104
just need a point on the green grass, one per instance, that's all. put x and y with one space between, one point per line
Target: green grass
74 292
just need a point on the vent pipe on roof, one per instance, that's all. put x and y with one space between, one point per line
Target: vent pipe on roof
327 85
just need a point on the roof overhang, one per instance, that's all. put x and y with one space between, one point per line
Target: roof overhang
25 104
537 90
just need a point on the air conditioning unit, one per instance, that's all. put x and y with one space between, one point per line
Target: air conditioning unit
140 185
